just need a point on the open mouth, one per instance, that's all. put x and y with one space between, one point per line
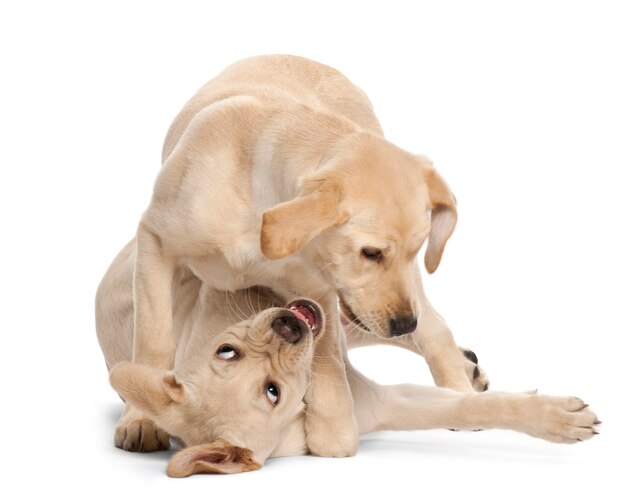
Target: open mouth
347 311
309 313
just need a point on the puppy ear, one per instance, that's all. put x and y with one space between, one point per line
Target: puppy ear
217 457
289 226
150 389
442 221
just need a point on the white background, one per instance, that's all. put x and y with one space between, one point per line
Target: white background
520 104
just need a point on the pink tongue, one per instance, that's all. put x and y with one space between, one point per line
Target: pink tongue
304 314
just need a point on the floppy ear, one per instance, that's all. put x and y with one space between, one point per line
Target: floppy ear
442 220
150 389
287 227
217 457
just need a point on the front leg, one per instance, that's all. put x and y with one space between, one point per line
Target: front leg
153 342
357 337
152 294
451 366
330 424
446 361
433 339
136 432
413 407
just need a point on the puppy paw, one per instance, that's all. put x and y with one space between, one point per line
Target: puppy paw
477 376
558 419
140 435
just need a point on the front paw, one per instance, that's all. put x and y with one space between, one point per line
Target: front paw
140 434
477 376
557 419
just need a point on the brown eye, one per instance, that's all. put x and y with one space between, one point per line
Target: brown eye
273 393
372 254
226 352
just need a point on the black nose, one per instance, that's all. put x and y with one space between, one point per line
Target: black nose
402 325
289 327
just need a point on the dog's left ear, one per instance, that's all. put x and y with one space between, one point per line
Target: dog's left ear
442 220
289 226
217 457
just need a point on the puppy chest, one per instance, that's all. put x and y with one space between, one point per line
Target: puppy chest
235 270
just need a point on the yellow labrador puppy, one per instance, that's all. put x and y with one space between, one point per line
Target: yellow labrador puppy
235 395
276 173
243 363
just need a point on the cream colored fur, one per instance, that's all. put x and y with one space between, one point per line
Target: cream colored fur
276 173
206 398
217 407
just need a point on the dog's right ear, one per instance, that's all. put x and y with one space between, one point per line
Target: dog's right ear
152 390
289 226
217 457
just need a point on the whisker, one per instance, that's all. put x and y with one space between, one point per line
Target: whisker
230 311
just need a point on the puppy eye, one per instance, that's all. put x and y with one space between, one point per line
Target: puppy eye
273 393
226 352
372 254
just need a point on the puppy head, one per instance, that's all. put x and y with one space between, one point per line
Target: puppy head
233 402
361 220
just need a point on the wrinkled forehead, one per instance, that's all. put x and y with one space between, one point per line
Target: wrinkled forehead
254 336
398 198
254 325
240 330
394 220
261 345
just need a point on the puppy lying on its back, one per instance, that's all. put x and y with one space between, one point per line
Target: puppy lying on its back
243 363
236 381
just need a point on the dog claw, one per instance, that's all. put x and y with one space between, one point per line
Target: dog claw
471 356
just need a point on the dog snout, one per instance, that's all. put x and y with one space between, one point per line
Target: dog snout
289 327
402 325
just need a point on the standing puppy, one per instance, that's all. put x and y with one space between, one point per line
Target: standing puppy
276 174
